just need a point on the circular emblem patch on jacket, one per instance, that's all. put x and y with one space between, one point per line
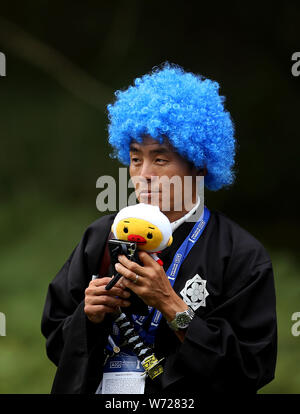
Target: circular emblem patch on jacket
195 292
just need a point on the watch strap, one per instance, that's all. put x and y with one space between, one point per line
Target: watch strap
188 313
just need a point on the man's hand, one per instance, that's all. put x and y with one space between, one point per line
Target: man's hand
99 302
152 285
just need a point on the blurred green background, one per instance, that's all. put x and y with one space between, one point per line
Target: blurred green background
64 62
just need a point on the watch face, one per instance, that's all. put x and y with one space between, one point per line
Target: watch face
183 320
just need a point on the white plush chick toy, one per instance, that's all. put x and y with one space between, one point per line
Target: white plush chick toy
145 225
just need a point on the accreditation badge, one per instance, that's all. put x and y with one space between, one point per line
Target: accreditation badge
122 374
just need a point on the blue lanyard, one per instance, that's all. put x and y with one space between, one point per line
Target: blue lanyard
172 273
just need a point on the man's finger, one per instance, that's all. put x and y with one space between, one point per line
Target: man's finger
103 281
99 289
132 266
132 286
128 274
100 281
146 259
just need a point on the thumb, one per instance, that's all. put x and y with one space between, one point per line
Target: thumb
145 258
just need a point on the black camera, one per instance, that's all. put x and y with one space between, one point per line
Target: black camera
129 249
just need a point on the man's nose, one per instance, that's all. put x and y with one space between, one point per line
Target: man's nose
147 171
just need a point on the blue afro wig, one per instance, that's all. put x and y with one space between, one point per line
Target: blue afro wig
184 108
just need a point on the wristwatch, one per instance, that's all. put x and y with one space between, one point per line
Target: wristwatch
182 319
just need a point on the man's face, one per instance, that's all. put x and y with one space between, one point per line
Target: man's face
155 164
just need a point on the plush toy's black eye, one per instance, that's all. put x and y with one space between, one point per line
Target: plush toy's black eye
125 229
149 235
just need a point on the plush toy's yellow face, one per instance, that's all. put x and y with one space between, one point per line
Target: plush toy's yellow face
145 234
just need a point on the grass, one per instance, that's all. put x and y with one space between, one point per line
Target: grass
36 245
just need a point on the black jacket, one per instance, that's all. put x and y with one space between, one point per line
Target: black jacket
230 345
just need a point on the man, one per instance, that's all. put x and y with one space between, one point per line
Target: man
170 123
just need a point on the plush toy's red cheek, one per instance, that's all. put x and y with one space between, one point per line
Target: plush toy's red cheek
137 239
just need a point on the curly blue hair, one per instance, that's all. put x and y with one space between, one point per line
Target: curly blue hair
184 107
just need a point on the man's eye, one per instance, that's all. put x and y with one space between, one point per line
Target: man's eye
160 160
135 159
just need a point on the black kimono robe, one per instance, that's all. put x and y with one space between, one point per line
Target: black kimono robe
231 343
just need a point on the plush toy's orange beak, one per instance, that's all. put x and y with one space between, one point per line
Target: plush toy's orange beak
137 239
